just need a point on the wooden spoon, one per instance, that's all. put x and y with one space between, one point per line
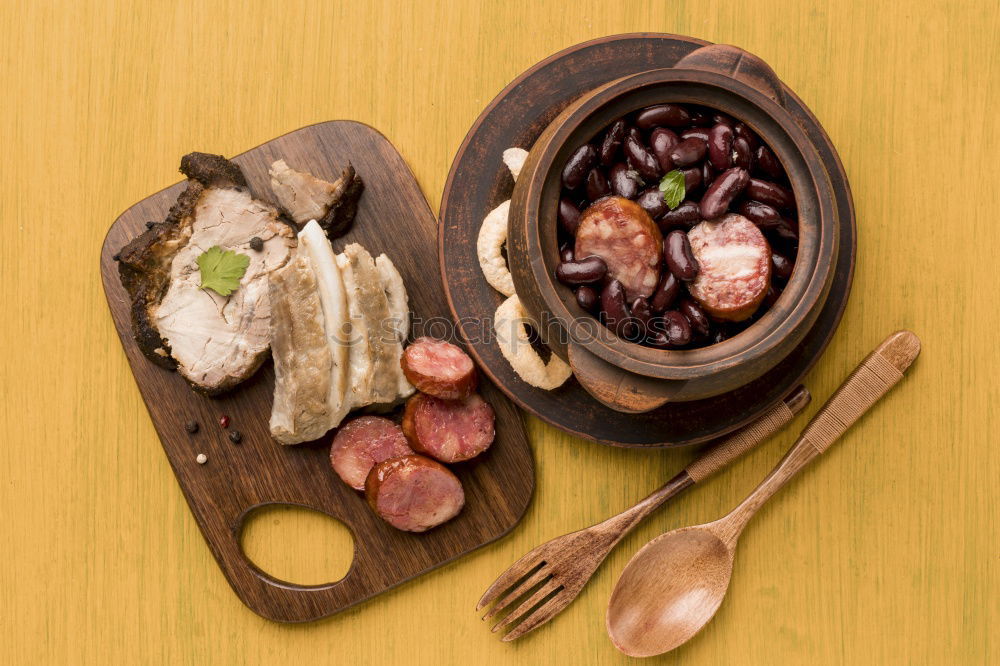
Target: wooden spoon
549 578
675 583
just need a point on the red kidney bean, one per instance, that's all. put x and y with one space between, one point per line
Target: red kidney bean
781 266
657 338
597 185
616 315
772 295
695 316
663 115
707 173
769 193
720 146
641 312
689 152
686 214
692 179
700 117
585 271
677 328
569 216
764 216
720 118
722 191
612 143
666 292
680 259
641 159
742 155
566 253
577 166
586 297
623 183
652 201
786 231
696 133
742 130
768 164
662 141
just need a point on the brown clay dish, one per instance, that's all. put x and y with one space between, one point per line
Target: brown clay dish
478 182
726 79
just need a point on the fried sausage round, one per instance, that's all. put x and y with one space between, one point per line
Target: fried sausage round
414 493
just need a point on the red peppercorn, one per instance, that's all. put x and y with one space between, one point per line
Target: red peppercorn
224 421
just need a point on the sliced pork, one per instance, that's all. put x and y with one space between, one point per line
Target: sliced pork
213 341
305 197
361 323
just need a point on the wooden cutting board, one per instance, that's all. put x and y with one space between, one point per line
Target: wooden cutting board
393 217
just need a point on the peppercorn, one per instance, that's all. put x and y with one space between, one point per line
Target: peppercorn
116 256
191 427
256 244
235 437
149 225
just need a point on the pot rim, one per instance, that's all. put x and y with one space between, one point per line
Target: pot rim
797 307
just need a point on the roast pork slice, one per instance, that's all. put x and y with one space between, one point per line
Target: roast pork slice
213 341
382 336
399 315
361 363
305 197
336 316
303 359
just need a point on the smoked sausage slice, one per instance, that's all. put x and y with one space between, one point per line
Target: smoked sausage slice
735 267
414 493
362 443
439 368
449 430
620 232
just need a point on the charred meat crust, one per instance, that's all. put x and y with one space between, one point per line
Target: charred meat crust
212 170
340 217
140 268
144 271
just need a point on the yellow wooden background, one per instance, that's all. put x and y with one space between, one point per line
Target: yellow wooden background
885 552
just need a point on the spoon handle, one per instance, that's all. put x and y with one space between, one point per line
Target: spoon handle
713 460
872 379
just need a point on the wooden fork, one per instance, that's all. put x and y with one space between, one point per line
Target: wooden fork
548 578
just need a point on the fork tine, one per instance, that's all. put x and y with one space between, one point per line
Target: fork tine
542 614
545 590
509 578
540 576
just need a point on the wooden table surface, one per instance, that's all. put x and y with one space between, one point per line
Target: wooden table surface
884 552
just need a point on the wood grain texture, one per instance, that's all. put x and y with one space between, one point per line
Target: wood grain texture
259 472
104 563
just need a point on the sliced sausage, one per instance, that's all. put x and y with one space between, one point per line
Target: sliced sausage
735 261
414 493
439 368
621 233
362 443
449 430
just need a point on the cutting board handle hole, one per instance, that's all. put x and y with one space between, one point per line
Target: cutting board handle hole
297 545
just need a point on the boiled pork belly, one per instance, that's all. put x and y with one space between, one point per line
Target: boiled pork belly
360 325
